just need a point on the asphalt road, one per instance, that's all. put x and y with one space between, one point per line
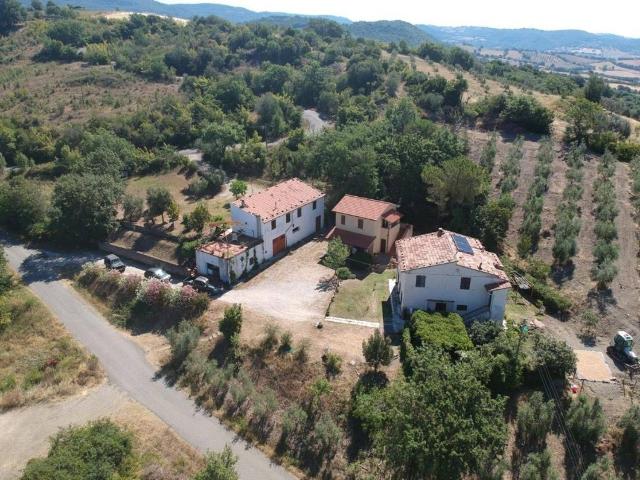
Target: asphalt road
125 362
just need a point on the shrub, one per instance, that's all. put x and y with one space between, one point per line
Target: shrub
301 354
270 340
629 449
231 323
294 422
286 342
601 470
444 331
157 294
332 363
553 300
264 406
337 254
554 355
538 466
327 435
534 421
377 350
98 450
182 341
219 466
585 420
343 273
482 333
192 303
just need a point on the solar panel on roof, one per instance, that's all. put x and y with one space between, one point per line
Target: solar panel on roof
462 244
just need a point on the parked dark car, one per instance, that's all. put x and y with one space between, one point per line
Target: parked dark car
203 285
158 274
113 262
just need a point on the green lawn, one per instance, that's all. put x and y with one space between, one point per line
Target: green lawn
362 299
519 309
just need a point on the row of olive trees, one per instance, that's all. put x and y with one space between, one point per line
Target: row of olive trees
606 250
488 154
510 168
532 222
568 214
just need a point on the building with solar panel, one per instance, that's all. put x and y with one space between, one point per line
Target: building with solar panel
448 272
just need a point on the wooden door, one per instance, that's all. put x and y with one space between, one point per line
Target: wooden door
318 223
279 244
383 245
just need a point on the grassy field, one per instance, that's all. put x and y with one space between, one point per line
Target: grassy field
177 184
362 299
38 358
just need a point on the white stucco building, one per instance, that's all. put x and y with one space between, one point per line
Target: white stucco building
448 272
264 224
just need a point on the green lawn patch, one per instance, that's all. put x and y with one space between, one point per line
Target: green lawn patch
362 299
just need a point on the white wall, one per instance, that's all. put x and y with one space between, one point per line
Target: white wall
305 224
245 222
240 264
443 283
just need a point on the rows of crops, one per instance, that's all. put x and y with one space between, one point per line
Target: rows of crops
532 220
568 224
606 249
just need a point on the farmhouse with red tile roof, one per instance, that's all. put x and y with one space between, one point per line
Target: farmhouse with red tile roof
448 272
365 224
264 224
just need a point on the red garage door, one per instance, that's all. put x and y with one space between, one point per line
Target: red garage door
279 244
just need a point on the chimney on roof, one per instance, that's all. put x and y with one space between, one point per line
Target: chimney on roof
242 203
440 232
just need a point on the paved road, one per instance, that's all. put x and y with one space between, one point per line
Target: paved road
125 362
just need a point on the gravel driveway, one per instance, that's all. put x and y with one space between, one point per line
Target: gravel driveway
291 289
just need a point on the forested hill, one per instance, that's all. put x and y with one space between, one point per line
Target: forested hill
389 31
227 12
530 38
383 30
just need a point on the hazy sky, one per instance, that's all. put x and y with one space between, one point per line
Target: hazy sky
613 16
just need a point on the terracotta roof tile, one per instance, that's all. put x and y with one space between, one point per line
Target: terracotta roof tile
362 207
277 200
393 217
229 246
439 248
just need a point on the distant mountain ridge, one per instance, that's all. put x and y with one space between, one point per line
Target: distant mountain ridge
530 38
384 30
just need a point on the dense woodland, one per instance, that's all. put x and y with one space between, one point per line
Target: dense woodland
398 136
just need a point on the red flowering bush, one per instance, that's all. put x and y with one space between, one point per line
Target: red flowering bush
130 286
157 294
191 303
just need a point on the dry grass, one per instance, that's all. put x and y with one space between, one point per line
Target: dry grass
162 453
38 358
62 93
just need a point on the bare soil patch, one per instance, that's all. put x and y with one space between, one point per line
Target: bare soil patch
519 195
295 287
552 199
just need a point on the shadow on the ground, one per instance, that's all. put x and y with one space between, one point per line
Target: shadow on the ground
602 299
561 274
